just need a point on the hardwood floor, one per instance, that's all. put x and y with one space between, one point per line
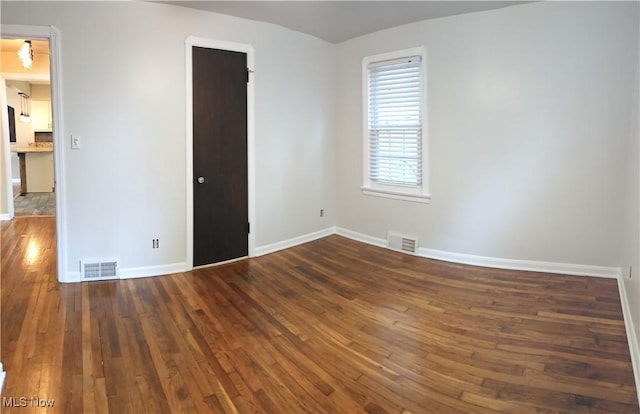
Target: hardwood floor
332 326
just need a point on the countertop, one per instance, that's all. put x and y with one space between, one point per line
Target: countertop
32 149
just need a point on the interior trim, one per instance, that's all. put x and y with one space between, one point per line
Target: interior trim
494 262
634 347
285 244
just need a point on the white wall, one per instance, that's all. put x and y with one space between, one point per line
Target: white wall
123 90
630 249
528 128
528 116
24 130
15 167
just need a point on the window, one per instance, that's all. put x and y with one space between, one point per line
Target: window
394 138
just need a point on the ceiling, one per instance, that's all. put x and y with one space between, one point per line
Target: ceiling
40 47
337 21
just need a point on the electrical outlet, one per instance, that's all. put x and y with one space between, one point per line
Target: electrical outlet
321 212
155 243
630 271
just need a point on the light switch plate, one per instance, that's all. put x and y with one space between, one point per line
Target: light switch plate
75 141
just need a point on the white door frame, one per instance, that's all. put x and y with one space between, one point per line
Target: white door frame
233 47
53 35
24 77
6 151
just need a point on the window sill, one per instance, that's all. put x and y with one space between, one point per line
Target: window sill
397 195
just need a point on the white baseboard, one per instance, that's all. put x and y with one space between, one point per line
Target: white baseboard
634 347
132 272
361 237
146 271
70 277
526 265
5 217
285 244
511 264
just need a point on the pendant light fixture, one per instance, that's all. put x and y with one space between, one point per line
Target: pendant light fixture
24 108
26 54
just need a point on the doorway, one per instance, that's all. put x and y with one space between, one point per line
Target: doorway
50 35
27 93
31 139
219 152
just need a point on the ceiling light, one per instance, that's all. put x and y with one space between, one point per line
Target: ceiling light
24 107
26 54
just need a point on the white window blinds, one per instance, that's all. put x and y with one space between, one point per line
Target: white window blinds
395 121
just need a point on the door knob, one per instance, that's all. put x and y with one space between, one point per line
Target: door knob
200 180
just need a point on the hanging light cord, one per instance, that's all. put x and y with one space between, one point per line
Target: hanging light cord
24 107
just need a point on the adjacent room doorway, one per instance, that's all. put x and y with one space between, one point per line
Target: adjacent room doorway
52 36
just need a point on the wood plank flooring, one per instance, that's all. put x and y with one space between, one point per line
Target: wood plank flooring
332 326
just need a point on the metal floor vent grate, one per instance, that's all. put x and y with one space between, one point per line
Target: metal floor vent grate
99 269
402 242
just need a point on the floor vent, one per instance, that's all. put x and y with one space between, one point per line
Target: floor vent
99 269
402 242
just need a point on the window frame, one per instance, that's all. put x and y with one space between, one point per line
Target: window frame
419 193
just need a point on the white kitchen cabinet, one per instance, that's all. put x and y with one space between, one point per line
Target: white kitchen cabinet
41 114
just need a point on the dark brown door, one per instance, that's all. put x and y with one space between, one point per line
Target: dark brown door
220 188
